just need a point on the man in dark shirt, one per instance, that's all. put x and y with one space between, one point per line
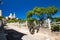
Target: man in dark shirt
1 24
4 21
31 27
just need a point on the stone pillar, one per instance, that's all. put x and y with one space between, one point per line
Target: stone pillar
35 23
26 22
49 25
35 26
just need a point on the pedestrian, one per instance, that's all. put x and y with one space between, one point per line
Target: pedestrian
37 26
31 27
4 22
1 24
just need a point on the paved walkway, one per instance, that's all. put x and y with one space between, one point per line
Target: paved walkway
44 34
2 35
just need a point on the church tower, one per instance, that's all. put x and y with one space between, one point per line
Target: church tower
0 12
14 15
10 16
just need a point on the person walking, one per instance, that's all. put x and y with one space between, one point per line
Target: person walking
1 24
31 27
37 26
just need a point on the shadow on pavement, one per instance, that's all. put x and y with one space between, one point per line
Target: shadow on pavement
13 35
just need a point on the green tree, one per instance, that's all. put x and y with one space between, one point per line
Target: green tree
41 12
56 19
30 14
29 17
1 17
51 11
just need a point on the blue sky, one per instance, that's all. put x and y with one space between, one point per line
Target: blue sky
20 7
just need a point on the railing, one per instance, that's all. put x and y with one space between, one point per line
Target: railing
52 24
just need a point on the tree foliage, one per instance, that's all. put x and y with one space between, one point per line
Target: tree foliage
1 17
42 13
56 19
30 14
49 11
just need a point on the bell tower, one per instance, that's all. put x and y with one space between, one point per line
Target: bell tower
14 15
10 16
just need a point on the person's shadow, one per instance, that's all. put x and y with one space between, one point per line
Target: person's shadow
14 35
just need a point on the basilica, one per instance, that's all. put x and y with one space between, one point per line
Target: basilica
11 16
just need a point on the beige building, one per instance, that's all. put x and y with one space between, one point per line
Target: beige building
0 12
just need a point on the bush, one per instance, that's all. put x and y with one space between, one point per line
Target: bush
1 17
55 28
13 20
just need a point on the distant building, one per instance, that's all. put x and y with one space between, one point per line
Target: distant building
0 12
14 16
11 16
